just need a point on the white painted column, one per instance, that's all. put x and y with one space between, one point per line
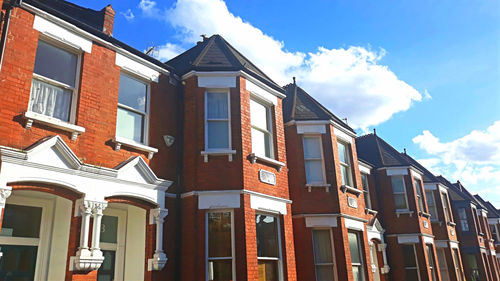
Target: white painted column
5 192
157 216
97 208
85 211
383 248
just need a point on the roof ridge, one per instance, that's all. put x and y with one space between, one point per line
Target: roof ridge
203 52
397 153
294 101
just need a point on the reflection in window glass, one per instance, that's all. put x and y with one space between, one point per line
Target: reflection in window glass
357 257
267 247
399 192
260 119
323 257
313 158
217 120
345 163
109 229
220 257
410 263
132 109
21 221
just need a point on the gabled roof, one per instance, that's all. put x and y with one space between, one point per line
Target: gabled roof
88 20
216 54
374 150
428 176
300 106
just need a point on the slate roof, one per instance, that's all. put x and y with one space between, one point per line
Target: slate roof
492 211
216 54
374 150
460 190
300 106
90 21
428 176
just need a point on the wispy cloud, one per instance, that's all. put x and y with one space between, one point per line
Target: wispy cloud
350 81
474 159
129 16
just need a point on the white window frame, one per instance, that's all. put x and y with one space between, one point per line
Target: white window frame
456 264
494 232
322 159
269 132
280 258
404 192
228 120
362 265
420 195
462 220
332 246
443 268
43 242
348 165
446 206
75 94
145 129
119 246
430 255
233 250
366 191
416 262
432 207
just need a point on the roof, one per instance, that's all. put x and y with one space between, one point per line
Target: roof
216 54
90 21
492 211
298 105
428 176
461 191
374 150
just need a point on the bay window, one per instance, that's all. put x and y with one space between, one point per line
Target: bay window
420 197
431 203
443 268
462 214
399 192
446 207
366 190
410 263
357 257
313 159
261 121
217 125
133 109
268 247
54 83
323 254
345 163
220 261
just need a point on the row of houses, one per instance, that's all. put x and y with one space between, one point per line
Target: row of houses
116 166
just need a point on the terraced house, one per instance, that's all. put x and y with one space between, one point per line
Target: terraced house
117 166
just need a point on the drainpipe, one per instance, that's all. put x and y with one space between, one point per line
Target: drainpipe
6 21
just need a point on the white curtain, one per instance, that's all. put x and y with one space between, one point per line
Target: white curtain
50 100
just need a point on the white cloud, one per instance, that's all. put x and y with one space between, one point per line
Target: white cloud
168 51
129 16
349 81
474 159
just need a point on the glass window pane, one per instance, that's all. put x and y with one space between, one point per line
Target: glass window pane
354 247
259 115
268 270
431 204
342 152
130 125
50 100
356 273
260 144
267 236
322 246
312 147
21 221
446 208
400 201
217 106
109 229
411 275
344 171
220 270
409 256
107 270
218 134
397 184
132 93
55 63
324 273
364 181
314 171
18 262
219 235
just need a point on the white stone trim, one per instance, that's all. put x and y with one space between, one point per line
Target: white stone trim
219 200
354 224
157 216
416 175
217 82
408 239
430 186
321 221
443 189
267 204
441 243
137 68
342 135
396 171
260 92
119 142
428 240
363 168
453 244
311 129
322 122
61 34
31 117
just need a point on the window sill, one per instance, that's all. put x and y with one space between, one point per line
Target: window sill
424 214
218 152
369 211
450 223
400 212
325 185
279 165
346 188
119 141
52 122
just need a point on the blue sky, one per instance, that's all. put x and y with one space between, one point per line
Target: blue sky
425 73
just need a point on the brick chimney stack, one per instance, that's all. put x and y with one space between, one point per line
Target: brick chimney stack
109 19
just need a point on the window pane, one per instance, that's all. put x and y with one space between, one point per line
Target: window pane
21 221
446 208
322 246
397 184
259 115
55 63
219 235
268 270
129 125
344 171
409 256
267 236
217 107
324 273
109 229
342 152
132 93
411 274
218 134
400 201
314 171
364 182
420 197
18 262
312 147
356 273
443 269
261 143
431 204
220 270
50 100
354 247
107 270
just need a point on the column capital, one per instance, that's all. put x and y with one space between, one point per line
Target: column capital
5 192
86 206
157 216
